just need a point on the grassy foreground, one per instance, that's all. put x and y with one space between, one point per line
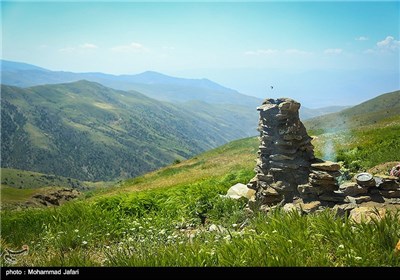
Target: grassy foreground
163 228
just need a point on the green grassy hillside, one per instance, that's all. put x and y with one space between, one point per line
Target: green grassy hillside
89 132
369 112
21 179
363 147
18 187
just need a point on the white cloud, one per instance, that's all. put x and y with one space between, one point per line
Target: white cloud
88 46
361 38
389 43
261 52
333 51
132 47
168 48
80 48
67 49
370 51
296 51
274 51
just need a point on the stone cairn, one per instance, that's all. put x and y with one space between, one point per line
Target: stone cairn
288 172
284 154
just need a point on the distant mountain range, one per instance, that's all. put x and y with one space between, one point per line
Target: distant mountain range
152 84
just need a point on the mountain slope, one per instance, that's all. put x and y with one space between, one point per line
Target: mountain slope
374 110
87 131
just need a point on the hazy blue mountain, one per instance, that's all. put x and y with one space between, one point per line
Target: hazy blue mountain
152 84
11 66
308 113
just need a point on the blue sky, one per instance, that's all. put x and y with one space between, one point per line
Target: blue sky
320 53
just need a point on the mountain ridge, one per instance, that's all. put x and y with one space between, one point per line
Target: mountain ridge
153 84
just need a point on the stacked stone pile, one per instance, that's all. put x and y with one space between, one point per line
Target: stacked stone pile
384 189
388 186
322 182
285 152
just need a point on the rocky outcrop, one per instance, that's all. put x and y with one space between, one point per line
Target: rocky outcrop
56 198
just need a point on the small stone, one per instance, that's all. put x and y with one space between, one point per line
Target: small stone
290 207
240 190
389 185
318 190
310 207
366 214
276 170
304 189
373 190
265 178
217 228
281 117
390 194
331 197
284 106
280 186
326 166
280 157
387 177
344 209
283 164
394 201
283 143
357 200
265 208
321 175
270 192
322 182
352 189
